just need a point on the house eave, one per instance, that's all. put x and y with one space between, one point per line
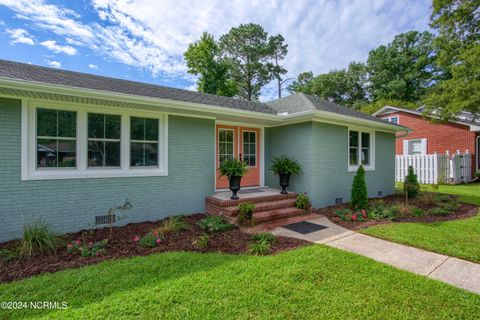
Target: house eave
186 107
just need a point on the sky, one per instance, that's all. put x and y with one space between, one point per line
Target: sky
144 40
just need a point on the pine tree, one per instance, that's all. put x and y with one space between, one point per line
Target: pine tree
411 185
359 190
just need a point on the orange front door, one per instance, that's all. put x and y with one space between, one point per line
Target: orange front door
239 142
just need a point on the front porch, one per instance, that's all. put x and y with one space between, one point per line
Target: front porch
272 209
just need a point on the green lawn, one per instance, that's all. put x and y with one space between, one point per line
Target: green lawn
315 282
460 238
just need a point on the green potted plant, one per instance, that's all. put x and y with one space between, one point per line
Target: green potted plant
285 167
234 170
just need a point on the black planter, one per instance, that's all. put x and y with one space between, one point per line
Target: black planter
234 186
284 182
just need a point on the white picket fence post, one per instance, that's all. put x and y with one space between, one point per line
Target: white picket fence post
435 168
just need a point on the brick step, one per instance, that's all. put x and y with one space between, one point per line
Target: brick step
264 206
270 215
213 201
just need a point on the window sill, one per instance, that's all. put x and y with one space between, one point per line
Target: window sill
93 174
355 168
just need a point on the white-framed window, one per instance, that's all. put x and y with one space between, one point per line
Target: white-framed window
415 147
68 141
361 149
393 119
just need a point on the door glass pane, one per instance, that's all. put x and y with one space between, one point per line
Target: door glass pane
249 147
225 145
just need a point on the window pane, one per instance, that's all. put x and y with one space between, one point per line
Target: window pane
95 126
67 124
95 153
151 154
56 153
144 154
353 138
394 120
151 129
112 126
353 156
137 126
365 140
46 123
136 154
365 156
103 154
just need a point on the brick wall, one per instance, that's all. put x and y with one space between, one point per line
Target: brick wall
441 137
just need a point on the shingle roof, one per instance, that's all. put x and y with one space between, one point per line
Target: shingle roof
28 72
291 104
305 102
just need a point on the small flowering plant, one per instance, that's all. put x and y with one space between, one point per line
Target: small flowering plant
302 201
349 215
152 239
87 248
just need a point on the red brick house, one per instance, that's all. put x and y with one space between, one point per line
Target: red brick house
428 137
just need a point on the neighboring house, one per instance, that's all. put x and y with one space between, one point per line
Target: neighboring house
428 137
74 145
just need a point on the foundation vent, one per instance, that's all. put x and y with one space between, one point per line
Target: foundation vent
106 219
338 200
380 194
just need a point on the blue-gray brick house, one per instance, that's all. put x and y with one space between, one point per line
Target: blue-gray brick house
74 145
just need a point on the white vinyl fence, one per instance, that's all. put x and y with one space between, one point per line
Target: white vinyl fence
435 168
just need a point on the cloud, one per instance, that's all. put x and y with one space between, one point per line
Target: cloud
54 64
152 35
93 66
20 36
52 45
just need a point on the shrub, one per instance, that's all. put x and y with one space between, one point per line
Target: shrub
233 167
411 186
87 249
264 236
427 198
452 205
37 238
259 248
245 212
202 241
378 210
302 201
344 214
359 190
172 224
213 224
417 211
439 211
7 255
477 174
285 165
152 239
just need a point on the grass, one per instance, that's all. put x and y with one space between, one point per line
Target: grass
458 238
314 282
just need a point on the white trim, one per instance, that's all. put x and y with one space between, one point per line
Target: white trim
29 165
389 119
371 166
262 157
477 153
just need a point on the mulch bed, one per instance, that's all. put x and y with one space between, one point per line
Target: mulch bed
121 245
464 211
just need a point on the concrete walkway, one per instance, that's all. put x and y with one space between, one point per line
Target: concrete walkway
457 272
